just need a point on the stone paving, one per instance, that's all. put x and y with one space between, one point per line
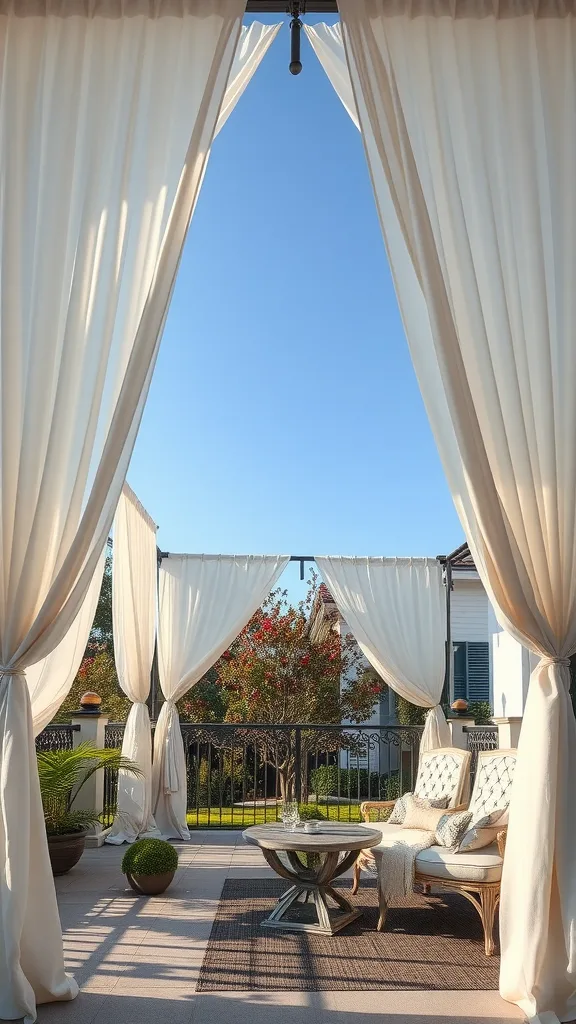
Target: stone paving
137 959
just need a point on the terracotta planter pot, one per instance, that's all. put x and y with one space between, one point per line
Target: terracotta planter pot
150 885
65 851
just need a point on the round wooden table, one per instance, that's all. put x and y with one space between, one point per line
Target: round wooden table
311 861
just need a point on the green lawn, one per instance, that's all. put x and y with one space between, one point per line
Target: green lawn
243 817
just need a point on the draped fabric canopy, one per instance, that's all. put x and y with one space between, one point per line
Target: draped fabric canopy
469 125
204 602
98 187
255 41
50 680
396 609
134 600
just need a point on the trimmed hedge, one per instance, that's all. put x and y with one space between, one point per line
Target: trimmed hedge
330 780
310 812
149 857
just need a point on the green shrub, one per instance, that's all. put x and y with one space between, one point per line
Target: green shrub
329 780
324 780
480 711
149 857
409 714
311 812
221 782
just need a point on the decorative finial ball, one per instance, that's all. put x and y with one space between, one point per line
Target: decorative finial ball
295 67
459 707
90 701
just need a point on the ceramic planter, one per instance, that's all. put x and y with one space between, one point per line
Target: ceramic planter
150 885
65 851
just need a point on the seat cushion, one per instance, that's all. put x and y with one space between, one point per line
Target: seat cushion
480 866
483 865
389 832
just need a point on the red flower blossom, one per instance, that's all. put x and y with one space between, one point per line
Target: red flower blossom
267 625
304 661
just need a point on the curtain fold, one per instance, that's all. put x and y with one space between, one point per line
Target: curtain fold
134 601
98 187
50 680
396 609
204 602
328 45
253 45
469 125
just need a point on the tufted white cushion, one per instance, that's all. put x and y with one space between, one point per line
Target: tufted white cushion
481 866
492 785
439 776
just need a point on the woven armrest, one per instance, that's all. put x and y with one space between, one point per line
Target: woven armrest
374 805
501 840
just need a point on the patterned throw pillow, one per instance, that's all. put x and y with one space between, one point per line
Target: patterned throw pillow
483 831
421 814
399 810
451 829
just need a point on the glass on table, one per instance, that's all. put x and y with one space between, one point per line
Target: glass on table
290 815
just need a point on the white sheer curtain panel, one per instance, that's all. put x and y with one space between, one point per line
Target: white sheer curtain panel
396 609
106 119
134 601
253 45
62 664
50 680
204 601
469 124
328 45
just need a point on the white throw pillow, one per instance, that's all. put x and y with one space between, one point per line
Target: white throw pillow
399 810
483 831
421 814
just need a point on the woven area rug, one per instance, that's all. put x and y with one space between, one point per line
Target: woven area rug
430 942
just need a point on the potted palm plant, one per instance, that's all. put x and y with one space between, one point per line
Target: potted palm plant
62 775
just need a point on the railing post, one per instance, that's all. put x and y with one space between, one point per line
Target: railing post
298 763
457 728
91 796
508 732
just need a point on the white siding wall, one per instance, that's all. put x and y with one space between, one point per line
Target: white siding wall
469 607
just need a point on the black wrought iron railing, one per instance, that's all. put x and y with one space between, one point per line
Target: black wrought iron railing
113 737
238 775
57 737
480 737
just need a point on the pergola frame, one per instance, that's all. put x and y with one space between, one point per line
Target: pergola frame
460 558
285 7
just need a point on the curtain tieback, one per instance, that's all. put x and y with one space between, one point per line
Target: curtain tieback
11 671
555 661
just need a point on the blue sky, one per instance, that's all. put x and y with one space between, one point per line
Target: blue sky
284 415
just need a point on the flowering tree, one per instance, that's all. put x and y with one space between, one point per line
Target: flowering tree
274 672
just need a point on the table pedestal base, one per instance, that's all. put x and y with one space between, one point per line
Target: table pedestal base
306 902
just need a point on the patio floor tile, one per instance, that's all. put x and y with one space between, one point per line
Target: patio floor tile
137 959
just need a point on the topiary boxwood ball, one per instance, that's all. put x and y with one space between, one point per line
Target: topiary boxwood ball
149 857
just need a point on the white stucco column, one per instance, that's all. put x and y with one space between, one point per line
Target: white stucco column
512 665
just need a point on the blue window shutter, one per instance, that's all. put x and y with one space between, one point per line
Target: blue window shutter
460 671
478 674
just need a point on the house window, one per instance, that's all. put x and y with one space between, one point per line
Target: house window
472 670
